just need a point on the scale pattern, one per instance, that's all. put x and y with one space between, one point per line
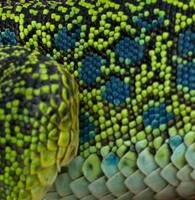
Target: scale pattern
38 120
134 62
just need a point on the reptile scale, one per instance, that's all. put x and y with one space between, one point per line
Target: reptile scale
129 66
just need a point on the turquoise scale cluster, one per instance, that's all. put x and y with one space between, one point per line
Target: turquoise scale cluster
131 177
175 141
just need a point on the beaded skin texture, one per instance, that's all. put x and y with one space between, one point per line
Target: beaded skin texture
134 62
38 119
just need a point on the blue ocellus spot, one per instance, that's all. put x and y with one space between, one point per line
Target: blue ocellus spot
157 116
186 75
129 51
148 23
87 129
90 68
66 39
116 91
186 43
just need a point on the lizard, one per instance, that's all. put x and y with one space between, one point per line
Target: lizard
134 63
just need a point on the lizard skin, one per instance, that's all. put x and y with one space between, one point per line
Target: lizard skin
134 64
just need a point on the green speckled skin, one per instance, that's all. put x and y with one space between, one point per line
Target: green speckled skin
134 62
39 122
